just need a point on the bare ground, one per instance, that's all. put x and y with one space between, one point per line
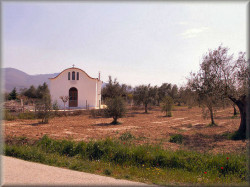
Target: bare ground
152 128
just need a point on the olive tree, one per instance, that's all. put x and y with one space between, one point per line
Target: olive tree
144 94
167 105
163 91
112 89
205 87
236 83
115 108
221 76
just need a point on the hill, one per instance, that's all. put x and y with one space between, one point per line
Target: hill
19 79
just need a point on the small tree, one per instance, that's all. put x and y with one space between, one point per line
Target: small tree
207 88
44 103
115 108
163 91
64 100
13 94
167 106
30 93
143 94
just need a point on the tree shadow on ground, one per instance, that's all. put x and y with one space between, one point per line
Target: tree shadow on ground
137 113
97 117
198 142
105 124
180 109
130 115
36 124
227 117
199 126
164 116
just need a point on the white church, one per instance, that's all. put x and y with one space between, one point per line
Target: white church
83 91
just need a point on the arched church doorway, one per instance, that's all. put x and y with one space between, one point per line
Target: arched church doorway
73 97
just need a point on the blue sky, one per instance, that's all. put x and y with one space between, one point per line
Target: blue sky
135 42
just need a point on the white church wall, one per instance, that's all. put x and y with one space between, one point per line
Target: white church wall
86 87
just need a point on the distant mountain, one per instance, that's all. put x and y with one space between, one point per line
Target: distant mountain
19 79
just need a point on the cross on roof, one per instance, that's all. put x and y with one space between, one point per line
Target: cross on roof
73 65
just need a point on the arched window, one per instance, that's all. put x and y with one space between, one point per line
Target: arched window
69 76
73 75
77 75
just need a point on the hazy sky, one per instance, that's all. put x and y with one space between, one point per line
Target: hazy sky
135 42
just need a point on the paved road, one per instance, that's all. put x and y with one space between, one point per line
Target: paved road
20 172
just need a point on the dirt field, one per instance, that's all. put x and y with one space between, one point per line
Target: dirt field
151 128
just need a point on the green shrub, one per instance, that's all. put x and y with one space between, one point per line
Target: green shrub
122 155
127 176
177 138
55 106
126 136
80 149
27 115
67 148
94 150
63 147
8 116
107 172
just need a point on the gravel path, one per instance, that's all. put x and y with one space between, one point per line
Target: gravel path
20 172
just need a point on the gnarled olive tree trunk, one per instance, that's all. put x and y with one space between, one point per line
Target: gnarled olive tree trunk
242 105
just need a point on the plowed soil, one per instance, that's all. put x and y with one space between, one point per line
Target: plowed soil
152 128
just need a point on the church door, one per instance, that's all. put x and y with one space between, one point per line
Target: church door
73 97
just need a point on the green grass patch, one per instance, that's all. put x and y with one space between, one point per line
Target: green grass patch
176 138
126 136
107 172
144 163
